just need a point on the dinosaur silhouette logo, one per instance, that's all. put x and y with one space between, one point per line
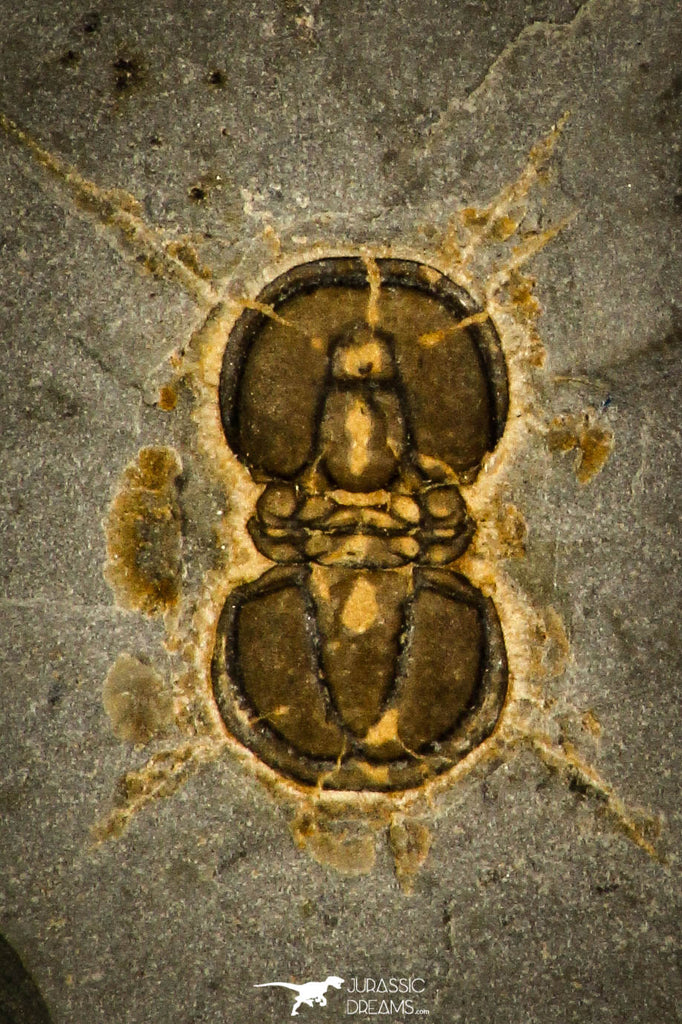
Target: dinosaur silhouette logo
313 992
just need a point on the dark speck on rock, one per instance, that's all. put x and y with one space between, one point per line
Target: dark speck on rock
129 73
92 22
70 59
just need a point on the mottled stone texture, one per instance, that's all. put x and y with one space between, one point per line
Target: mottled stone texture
232 125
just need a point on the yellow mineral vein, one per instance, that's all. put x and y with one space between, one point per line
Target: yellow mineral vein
524 251
502 217
120 214
374 279
162 775
272 314
637 824
436 337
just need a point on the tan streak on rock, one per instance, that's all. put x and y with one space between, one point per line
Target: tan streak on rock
143 530
135 700
347 847
410 842
119 211
591 441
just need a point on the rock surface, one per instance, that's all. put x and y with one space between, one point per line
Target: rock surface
160 158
